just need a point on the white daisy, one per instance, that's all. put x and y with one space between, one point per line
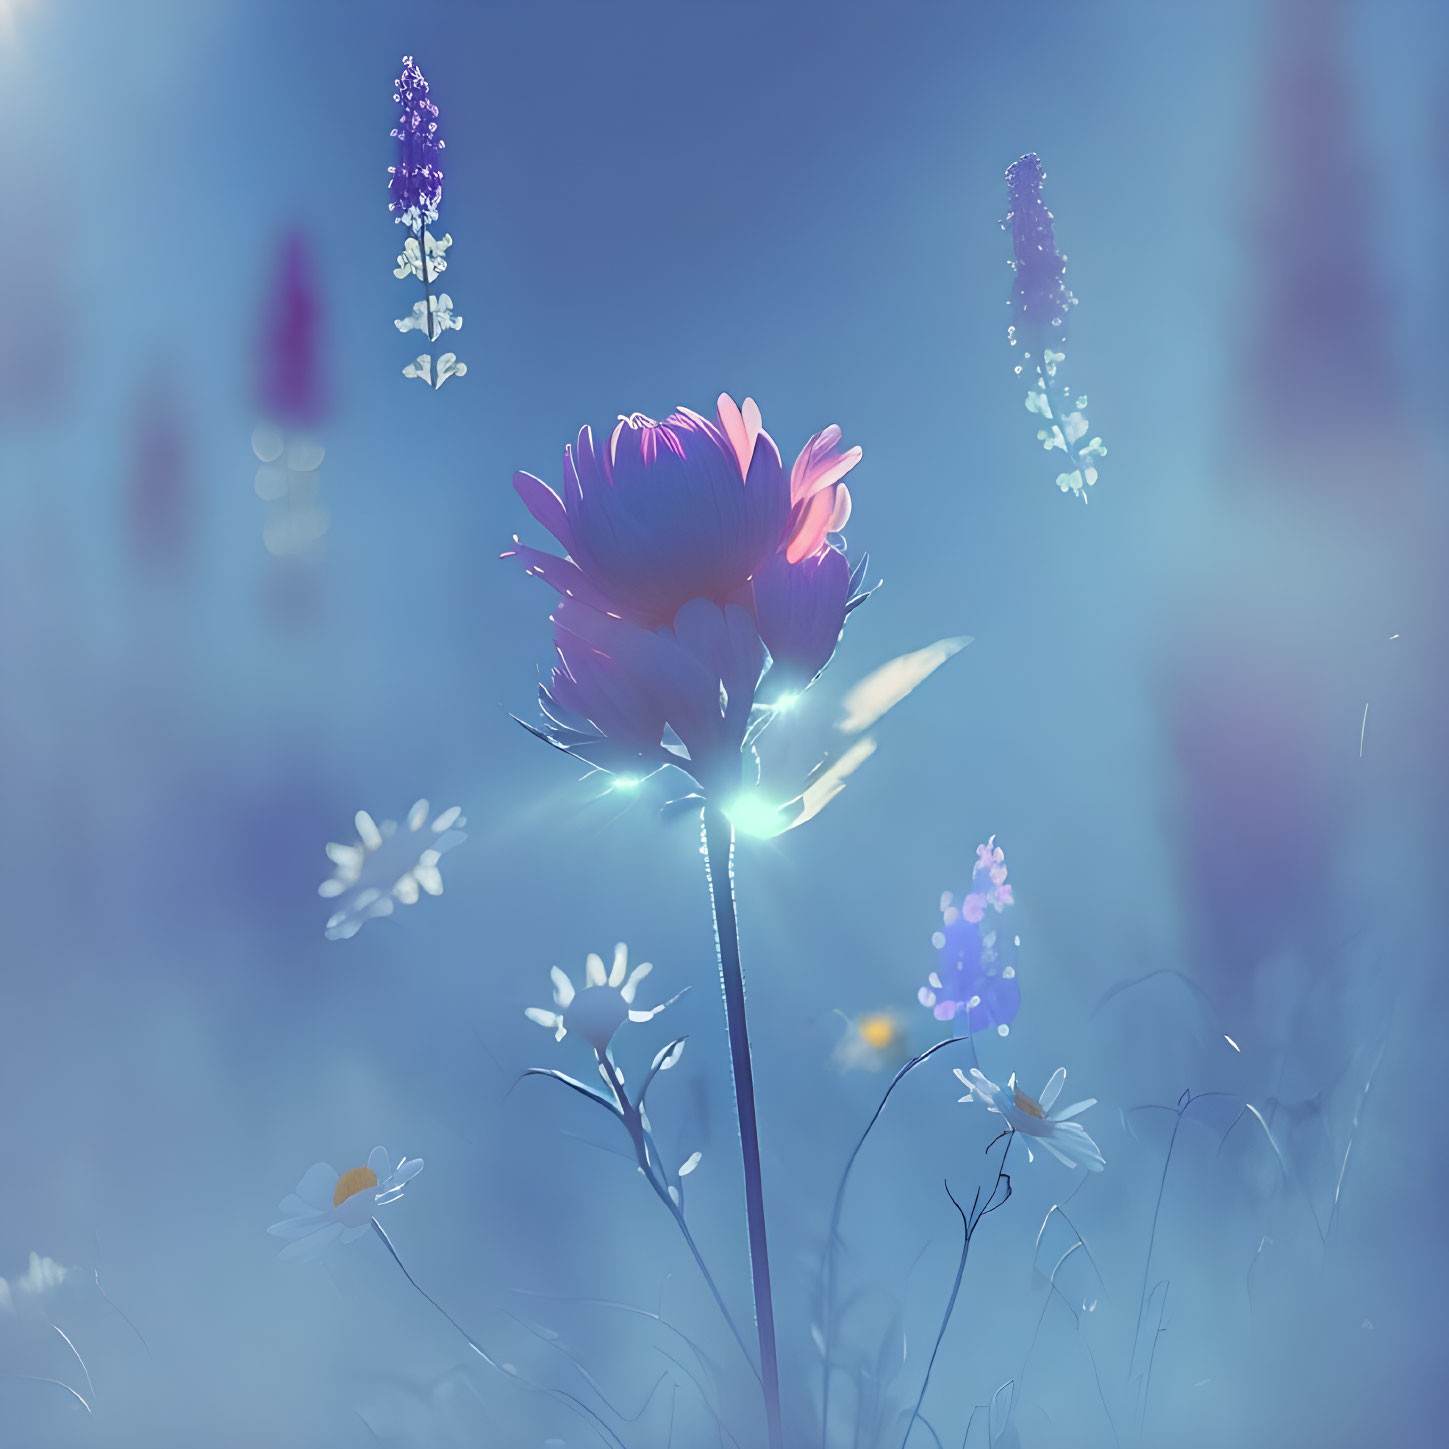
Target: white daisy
387 865
603 1006
1064 1139
330 1207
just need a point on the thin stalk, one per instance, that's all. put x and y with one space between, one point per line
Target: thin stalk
427 283
969 1223
832 1240
562 1395
719 845
650 1166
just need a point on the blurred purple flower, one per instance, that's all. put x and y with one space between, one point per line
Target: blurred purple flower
417 179
1042 299
289 377
689 555
975 971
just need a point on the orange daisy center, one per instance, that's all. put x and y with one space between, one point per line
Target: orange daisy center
1029 1105
352 1182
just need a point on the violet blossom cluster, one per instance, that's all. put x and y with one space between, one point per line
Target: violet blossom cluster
975 973
1040 302
416 185
701 591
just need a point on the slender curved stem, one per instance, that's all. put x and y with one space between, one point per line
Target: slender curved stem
833 1237
719 844
562 1395
969 1223
647 1155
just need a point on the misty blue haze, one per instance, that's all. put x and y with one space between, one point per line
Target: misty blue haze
1161 718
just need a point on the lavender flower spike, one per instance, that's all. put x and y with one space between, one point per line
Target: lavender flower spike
417 192
417 179
1041 301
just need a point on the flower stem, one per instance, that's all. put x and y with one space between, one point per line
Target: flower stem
427 283
719 844
652 1168
969 1223
832 1240
562 1395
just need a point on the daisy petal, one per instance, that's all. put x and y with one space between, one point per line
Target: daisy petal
1050 1092
418 815
318 1184
563 988
312 1246
1075 1110
635 977
621 965
594 973
298 1227
1056 1152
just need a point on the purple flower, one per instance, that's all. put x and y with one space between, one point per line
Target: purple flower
689 555
417 179
800 610
975 971
1042 298
289 381
1040 304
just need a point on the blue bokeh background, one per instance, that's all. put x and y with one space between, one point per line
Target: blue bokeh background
1161 716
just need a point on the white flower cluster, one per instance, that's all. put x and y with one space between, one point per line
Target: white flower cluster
288 482
1064 431
388 866
427 259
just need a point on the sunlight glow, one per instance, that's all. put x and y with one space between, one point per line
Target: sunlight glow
752 814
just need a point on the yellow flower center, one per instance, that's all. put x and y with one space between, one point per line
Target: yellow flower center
1029 1105
877 1031
352 1182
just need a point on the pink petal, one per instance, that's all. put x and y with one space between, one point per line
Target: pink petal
741 428
841 516
818 465
809 533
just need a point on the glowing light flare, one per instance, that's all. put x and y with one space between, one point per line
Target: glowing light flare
752 813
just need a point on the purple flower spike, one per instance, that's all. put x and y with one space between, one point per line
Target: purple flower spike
417 179
690 553
975 973
1042 299
417 191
